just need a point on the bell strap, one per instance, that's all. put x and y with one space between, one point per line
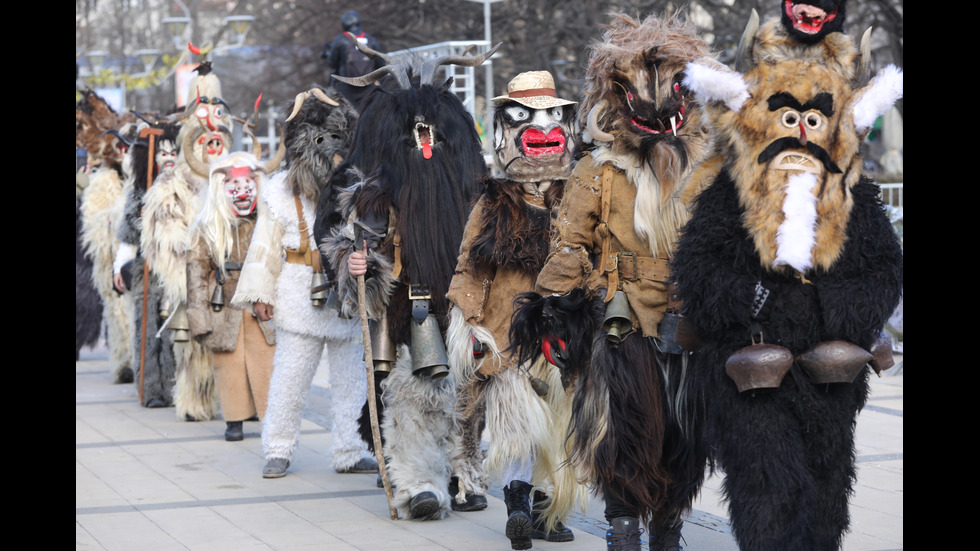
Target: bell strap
303 254
605 201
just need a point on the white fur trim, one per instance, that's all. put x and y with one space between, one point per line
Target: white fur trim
716 83
878 97
797 234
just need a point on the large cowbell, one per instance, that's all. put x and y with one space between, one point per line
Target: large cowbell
382 346
428 349
617 323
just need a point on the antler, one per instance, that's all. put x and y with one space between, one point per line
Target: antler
301 99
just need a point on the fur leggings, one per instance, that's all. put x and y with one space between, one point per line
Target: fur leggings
296 360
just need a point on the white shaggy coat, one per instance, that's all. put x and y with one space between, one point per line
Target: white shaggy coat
303 331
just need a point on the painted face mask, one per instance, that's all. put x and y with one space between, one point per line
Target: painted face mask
166 155
241 190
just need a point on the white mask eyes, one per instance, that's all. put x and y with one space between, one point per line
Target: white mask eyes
518 113
812 120
555 113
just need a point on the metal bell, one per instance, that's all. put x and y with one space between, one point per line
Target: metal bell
382 346
428 349
834 361
218 298
179 325
617 324
318 289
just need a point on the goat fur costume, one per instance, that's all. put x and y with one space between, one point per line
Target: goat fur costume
504 247
789 246
170 206
317 135
97 129
634 431
158 354
415 168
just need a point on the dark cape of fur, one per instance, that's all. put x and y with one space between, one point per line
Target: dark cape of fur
432 197
800 436
514 236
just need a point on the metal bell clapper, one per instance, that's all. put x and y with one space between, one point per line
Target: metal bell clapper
180 326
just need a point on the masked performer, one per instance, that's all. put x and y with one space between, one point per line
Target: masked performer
241 345
281 281
170 206
602 309
419 154
97 130
505 245
788 270
156 372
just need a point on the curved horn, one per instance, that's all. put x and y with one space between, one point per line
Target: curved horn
116 133
592 125
743 56
863 73
322 96
198 166
429 66
397 70
247 129
273 164
298 104
390 60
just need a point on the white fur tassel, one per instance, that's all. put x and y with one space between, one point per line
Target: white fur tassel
716 83
878 97
797 234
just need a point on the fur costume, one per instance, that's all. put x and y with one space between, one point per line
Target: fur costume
157 352
170 206
242 346
789 248
635 430
96 130
504 246
316 134
88 303
416 164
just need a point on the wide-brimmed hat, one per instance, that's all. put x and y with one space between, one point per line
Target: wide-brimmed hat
535 89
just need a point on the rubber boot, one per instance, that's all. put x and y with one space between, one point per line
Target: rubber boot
517 497
666 537
538 529
624 534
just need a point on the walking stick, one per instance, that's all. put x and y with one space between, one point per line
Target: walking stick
150 132
372 400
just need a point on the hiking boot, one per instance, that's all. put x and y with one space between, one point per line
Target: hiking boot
666 537
538 529
624 534
424 505
363 465
275 468
517 497
474 502
234 432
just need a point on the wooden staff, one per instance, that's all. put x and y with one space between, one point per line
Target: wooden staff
152 133
372 400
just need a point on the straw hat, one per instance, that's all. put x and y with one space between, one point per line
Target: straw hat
535 89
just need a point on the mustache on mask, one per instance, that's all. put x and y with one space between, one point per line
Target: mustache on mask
790 142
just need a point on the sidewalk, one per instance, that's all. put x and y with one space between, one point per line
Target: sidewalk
146 481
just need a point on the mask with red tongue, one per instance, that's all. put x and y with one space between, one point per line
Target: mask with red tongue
424 138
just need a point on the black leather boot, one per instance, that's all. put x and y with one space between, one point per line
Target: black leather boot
517 497
538 529
624 534
234 431
473 502
666 536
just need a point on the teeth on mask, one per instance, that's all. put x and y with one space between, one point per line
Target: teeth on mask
673 125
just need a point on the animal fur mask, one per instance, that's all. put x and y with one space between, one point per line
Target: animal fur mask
319 127
809 21
793 150
634 92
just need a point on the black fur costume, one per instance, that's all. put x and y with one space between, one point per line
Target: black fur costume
420 185
158 355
